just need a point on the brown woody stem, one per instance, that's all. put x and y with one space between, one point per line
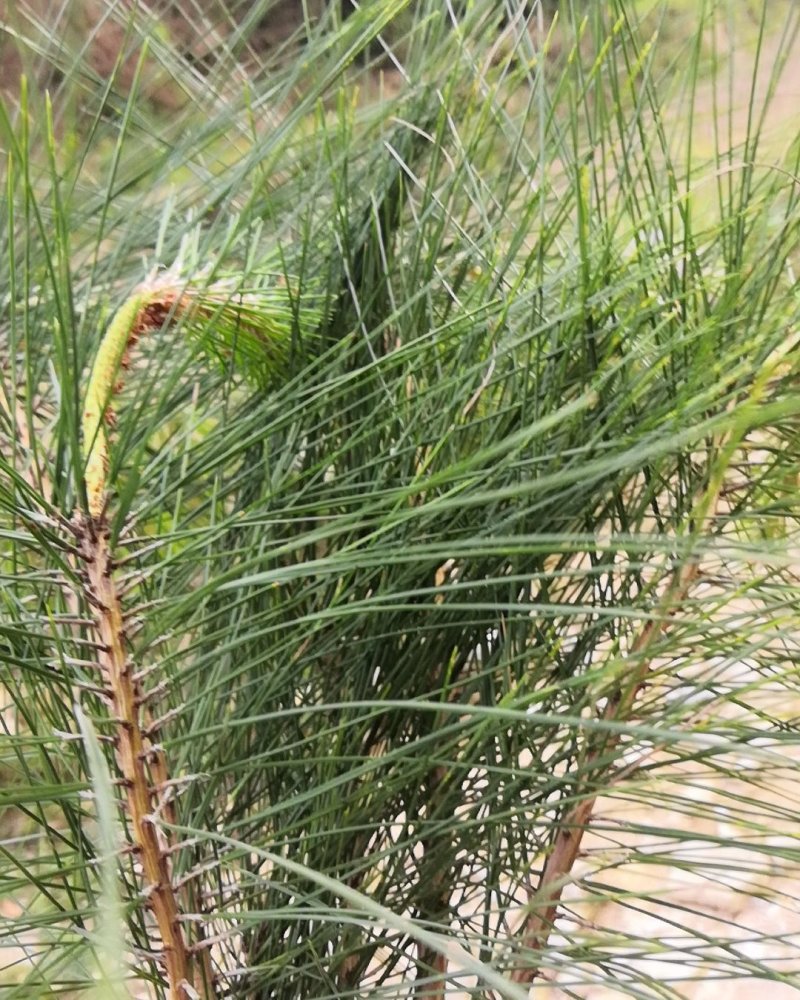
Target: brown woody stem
141 770
435 878
543 902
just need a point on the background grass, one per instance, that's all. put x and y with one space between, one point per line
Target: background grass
516 533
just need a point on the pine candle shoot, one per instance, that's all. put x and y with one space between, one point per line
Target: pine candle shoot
256 329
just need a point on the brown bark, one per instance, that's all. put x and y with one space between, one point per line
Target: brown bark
543 902
138 762
437 892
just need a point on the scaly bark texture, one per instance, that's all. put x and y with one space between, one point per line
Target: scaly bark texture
136 756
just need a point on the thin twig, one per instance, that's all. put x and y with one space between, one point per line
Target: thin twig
543 902
435 878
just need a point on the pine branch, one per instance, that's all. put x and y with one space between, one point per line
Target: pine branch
143 783
437 889
261 340
543 902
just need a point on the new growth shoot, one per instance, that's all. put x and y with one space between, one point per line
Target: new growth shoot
256 329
